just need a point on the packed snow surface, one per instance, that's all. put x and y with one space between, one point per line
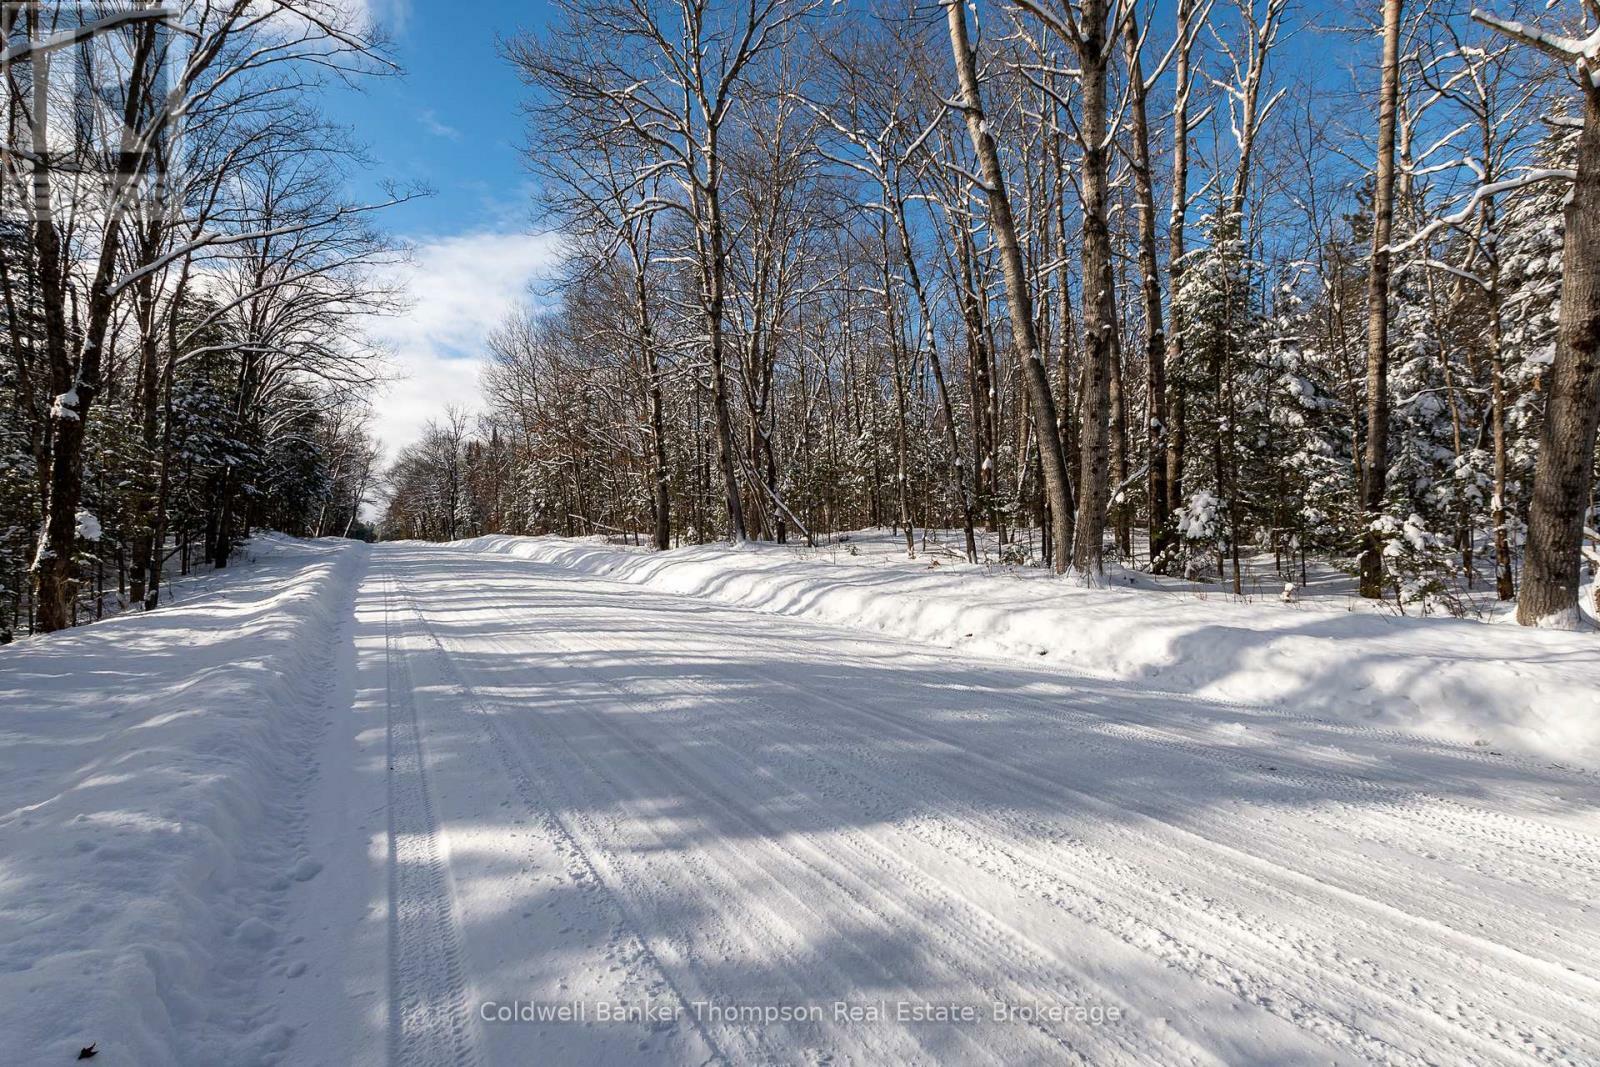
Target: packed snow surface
434 805
1495 685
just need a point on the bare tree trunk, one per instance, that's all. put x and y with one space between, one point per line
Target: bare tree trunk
902 474
1099 308
1118 395
70 412
1564 476
1065 327
1159 516
661 495
158 525
1377 450
980 384
1505 588
1176 429
52 564
660 476
925 312
714 270
1019 300
148 406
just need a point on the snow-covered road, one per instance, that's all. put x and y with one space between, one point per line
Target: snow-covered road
765 839
601 796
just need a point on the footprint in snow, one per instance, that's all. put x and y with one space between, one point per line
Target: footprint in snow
256 932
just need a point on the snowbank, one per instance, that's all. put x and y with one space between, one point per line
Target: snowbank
151 770
1460 680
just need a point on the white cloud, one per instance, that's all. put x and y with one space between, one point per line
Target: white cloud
460 288
429 119
390 14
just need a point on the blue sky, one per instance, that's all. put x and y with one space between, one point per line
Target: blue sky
452 123
452 120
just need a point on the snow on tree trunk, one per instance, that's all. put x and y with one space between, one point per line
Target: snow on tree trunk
1564 476
1377 444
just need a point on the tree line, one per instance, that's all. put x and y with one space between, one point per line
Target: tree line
1168 282
183 280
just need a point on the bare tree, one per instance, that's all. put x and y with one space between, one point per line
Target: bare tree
1191 18
162 76
1019 299
673 83
1091 30
1565 472
1159 521
1376 465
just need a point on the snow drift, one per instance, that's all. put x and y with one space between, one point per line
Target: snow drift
1460 680
152 769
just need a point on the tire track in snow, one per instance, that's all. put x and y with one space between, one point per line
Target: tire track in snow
941 829
1218 900
990 950
975 932
1291 890
1500 844
1541 1046
526 777
429 1024
729 878
936 915
1294 892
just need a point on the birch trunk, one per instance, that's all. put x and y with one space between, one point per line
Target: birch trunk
1377 443
1099 310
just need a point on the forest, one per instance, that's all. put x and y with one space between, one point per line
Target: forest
1161 285
184 282
1166 283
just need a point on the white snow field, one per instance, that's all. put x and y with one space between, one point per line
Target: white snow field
411 804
